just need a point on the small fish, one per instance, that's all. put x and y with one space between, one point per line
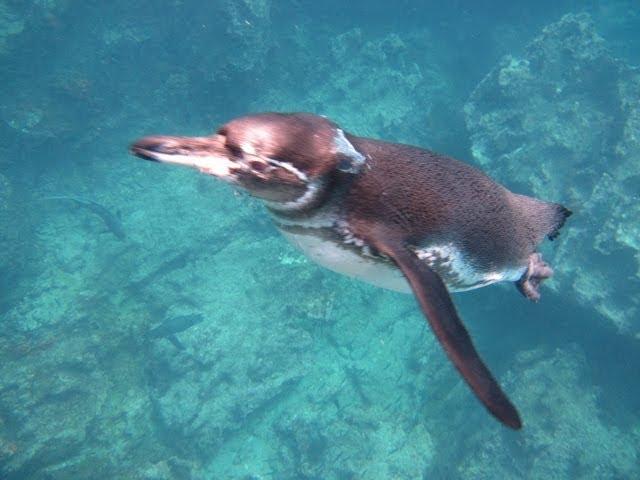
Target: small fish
169 327
111 220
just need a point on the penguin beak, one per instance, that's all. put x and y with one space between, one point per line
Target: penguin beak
207 154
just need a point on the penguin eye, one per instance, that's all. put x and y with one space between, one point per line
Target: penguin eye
257 166
345 165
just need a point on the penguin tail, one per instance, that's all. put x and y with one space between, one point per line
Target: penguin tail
545 219
559 215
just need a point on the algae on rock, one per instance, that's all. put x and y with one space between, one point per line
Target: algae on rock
566 436
381 76
561 122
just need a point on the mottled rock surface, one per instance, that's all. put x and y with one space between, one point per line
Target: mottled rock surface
388 86
10 24
561 122
566 436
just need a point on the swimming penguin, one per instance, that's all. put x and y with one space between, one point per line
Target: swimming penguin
394 215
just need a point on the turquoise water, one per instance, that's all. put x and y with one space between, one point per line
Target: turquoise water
155 325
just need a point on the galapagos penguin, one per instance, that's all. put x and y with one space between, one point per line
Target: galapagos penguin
394 215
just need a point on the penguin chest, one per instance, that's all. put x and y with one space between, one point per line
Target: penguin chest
348 259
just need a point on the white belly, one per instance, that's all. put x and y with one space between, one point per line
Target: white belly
343 260
445 259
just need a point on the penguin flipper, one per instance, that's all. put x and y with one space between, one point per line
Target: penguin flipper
436 304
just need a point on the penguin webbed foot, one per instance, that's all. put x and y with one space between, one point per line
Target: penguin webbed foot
537 271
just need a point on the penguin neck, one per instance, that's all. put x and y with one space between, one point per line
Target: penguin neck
322 210
313 196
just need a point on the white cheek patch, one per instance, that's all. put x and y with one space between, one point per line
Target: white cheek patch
217 166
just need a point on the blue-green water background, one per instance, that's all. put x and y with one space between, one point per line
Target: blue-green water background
285 370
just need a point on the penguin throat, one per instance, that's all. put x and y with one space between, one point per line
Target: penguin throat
310 197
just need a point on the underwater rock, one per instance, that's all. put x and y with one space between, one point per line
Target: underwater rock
251 381
381 75
10 24
351 444
65 406
6 193
173 468
567 435
248 27
72 389
229 370
561 121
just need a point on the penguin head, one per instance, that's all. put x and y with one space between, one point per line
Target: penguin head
287 160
